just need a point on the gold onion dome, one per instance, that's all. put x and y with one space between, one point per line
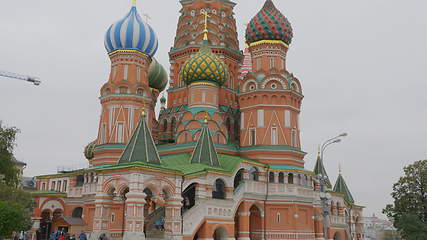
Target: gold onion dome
204 66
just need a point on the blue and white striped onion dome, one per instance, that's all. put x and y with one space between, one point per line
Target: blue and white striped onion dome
131 33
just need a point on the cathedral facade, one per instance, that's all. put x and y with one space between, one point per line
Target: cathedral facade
223 158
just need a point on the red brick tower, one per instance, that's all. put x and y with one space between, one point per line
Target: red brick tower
270 98
222 39
135 82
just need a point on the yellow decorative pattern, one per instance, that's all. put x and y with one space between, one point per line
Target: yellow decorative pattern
269 42
128 51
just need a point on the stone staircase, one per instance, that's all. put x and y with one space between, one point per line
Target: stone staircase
151 232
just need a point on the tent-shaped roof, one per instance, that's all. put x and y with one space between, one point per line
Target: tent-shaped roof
319 169
141 147
341 187
205 152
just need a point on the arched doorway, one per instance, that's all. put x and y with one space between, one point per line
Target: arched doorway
45 224
189 197
238 179
220 234
77 212
219 189
255 223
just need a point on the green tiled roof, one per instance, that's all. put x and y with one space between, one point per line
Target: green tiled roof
47 193
205 152
341 187
319 168
141 147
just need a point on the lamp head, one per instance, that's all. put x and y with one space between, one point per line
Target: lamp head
343 135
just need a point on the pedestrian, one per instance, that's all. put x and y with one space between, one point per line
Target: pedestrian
82 236
61 237
103 237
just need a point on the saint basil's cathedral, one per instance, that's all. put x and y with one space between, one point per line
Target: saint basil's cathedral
222 160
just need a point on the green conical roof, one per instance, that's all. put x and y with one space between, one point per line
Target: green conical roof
320 169
141 147
205 152
341 187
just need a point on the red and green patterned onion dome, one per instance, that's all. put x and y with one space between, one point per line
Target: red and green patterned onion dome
204 66
157 76
269 24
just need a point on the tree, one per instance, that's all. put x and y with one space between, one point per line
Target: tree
409 210
7 161
13 218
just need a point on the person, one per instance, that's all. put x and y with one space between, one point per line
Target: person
82 236
52 236
73 237
61 236
103 237
187 203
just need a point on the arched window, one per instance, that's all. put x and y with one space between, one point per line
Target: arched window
123 90
238 179
77 212
165 125
253 174
291 178
281 177
140 92
271 177
173 123
219 189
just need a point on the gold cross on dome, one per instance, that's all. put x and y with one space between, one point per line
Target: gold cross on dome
205 31
133 3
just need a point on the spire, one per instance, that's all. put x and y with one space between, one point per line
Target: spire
319 168
341 187
205 152
205 31
141 147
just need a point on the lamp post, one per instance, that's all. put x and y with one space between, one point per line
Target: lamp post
323 179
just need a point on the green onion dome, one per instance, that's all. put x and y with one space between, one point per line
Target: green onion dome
163 99
269 24
204 66
157 76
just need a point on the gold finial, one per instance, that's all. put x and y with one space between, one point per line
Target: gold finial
205 31
339 168
318 151
133 3
206 117
143 110
147 17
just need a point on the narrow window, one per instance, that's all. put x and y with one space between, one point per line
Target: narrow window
260 118
271 177
53 186
120 128
258 60
294 139
278 217
203 97
113 217
58 189
272 62
43 186
291 178
287 118
192 98
242 121
64 188
125 72
252 137
274 136
283 63
281 177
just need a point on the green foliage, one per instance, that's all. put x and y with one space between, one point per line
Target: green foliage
7 165
409 210
16 195
13 218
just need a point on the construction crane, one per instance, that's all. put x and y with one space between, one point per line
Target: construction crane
33 80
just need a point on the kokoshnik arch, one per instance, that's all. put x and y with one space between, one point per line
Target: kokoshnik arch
222 161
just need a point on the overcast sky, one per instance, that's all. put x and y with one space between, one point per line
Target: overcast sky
361 63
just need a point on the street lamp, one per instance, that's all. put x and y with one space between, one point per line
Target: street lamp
323 179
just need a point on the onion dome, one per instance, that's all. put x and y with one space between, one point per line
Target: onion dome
157 76
131 33
269 24
89 150
204 66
